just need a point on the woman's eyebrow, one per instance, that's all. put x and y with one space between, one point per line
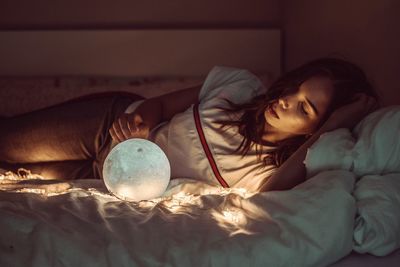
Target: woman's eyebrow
312 106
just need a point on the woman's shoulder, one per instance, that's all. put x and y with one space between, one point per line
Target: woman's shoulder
236 85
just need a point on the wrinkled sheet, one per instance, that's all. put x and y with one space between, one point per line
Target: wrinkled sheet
377 226
49 223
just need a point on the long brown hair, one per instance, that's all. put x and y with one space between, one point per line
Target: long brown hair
348 79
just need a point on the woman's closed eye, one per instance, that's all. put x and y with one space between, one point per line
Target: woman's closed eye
304 110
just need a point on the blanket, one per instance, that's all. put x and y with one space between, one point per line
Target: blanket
341 207
372 153
78 223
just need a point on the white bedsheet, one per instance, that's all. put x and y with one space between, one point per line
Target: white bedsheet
193 225
47 223
377 226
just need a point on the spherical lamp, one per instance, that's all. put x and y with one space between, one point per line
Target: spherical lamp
136 169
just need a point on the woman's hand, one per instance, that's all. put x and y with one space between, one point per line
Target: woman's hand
349 115
129 126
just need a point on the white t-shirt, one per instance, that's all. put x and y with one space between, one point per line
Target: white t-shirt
179 139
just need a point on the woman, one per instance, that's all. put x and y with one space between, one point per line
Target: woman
278 124
258 137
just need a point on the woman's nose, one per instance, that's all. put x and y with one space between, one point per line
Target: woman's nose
283 102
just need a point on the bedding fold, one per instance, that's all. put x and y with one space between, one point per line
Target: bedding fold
377 226
372 152
80 224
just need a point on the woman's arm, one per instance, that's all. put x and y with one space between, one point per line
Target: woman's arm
293 171
164 107
152 112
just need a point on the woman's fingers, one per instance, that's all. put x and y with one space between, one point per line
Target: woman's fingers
114 135
128 126
123 126
118 132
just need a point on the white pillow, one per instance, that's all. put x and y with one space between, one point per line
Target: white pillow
377 150
372 148
332 151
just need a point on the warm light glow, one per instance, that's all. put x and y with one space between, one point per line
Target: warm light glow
234 216
230 209
22 174
136 169
26 182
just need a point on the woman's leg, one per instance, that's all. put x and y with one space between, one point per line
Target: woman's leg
71 134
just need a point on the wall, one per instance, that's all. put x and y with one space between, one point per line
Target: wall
42 17
365 32
64 14
52 30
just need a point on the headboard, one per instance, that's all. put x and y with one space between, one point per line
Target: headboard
47 61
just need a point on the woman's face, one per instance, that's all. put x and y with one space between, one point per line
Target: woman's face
299 113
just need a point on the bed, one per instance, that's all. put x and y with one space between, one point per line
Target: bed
345 214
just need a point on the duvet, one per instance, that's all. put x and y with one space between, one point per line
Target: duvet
342 206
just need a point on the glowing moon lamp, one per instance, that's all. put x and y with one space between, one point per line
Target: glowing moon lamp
136 169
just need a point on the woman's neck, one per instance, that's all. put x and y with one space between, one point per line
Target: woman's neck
272 136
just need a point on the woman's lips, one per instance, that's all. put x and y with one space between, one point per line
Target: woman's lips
272 111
